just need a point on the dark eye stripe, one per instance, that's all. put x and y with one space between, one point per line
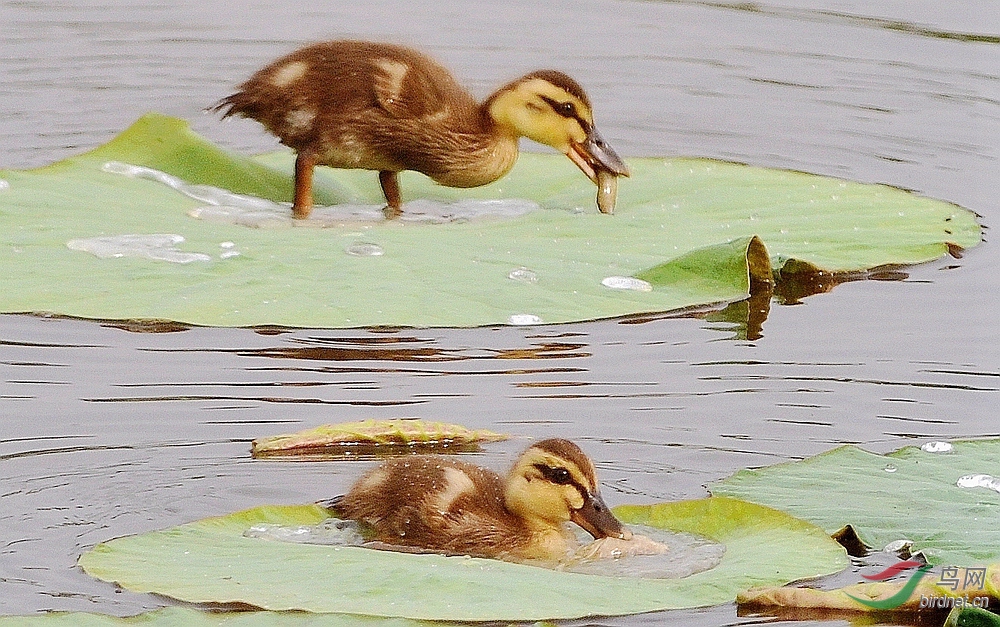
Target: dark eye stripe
565 109
557 475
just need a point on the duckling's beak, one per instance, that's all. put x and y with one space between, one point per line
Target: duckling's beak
594 154
597 519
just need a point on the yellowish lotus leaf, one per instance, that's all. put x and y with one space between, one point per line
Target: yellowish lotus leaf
370 436
880 595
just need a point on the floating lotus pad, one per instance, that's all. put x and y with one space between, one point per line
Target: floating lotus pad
910 594
188 617
210 561
373 435
431 274
947 502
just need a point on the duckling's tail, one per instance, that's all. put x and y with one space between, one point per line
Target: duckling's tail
230 105
333 504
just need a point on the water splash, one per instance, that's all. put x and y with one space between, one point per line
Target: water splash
687 555
4 185
253 212
158 247
331 531
626 283
890 468
979 481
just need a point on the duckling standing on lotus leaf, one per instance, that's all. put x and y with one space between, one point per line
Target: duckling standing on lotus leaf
436 504
373 106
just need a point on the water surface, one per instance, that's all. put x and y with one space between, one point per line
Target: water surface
109 431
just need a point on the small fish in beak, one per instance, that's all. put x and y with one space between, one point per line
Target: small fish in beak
602 165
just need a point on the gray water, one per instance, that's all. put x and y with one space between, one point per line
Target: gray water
107 431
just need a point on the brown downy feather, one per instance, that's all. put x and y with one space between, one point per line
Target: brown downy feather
443 505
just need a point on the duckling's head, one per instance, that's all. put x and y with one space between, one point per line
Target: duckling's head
551 108
554 482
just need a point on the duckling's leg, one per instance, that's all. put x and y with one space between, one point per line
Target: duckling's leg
305 162
390 187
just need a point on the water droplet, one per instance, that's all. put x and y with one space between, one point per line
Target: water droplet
890 468
937 447
159 247
523 319
365 249
626 283
523 275
979 481
897 546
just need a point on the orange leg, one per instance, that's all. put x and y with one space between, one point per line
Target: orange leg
303 204
390 187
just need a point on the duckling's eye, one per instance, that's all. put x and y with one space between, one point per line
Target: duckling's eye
559 475
566 109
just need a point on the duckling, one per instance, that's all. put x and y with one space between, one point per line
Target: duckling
389 108
442 505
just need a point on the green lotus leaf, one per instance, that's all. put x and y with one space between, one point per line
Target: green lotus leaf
910 494
210 561
676 219
188 617
971 617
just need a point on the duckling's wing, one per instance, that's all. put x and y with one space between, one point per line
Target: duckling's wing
414 87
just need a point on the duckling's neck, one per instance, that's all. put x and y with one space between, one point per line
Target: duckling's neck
549 544
483 151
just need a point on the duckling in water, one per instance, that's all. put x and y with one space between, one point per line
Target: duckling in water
441 505
373 106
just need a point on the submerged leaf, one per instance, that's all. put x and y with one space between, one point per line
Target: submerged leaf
370 436
211 561
458 273
942 502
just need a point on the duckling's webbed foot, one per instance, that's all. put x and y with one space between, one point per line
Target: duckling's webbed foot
305 162
390 188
